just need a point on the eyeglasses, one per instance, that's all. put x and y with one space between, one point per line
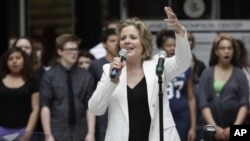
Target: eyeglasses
71 50
24 47
224 48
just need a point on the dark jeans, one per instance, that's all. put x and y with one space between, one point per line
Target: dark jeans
100 132
209 137
199 134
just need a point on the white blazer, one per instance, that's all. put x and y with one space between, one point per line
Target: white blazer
114 96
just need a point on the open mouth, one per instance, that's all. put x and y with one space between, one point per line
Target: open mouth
129 48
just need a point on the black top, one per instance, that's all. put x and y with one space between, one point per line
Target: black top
15 104
199 67
95 68
139 117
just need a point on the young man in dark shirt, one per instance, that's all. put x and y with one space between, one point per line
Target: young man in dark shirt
65 91
109 41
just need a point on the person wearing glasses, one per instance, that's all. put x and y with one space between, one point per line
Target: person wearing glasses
65 90
132 96
224 89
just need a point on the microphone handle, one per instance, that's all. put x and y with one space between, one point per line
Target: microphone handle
114 71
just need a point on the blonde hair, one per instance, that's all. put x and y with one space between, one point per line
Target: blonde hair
145 35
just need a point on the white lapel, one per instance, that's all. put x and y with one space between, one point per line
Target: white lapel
122 92
149 72
150 75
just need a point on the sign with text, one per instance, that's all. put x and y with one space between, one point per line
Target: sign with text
204 25
205 32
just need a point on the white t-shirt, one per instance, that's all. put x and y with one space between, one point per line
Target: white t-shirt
98 51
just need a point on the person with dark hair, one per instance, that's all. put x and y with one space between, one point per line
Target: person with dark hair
181 97
109 41
224 89
84 59
162 36
19 94
244 65
198 67
38 48
243 57
27 45
98 50
65 90
31 47
131 97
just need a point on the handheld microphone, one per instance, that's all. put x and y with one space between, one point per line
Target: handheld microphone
122 54
160 66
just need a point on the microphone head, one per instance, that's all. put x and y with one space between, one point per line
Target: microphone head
162 54
123 52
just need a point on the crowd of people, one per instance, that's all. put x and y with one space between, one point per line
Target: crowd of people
75 99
